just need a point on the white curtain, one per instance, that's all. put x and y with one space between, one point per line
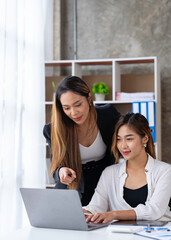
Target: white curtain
22 92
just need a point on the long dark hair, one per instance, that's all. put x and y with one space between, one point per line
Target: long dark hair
140 125
65 147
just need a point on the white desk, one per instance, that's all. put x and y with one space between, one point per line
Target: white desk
30 233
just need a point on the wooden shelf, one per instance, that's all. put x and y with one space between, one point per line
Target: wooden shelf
145 78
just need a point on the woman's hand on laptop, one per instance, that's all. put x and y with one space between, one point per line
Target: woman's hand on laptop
87 213
67 175
101 217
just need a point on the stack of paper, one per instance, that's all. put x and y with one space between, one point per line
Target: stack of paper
137 96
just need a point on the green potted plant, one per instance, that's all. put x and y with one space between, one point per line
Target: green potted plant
54 88
100 90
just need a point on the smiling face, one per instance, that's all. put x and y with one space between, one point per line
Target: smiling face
130 144
75 106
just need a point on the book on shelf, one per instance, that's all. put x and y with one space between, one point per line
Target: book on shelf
136 96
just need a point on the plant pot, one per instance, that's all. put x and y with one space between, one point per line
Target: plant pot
99 96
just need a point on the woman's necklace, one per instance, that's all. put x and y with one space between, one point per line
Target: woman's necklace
87 135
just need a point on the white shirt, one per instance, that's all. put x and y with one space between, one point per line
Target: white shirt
96 151
108 195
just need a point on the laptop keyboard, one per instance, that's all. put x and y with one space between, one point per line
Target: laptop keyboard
94 225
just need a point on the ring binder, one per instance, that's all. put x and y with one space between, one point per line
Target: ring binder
147 109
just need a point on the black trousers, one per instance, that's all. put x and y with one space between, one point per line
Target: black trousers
91 173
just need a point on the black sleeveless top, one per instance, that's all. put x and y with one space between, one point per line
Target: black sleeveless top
135 196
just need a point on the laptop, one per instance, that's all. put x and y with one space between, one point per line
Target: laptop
56 208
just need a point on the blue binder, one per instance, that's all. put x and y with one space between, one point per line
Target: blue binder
136 107
147 109
143 109
151 118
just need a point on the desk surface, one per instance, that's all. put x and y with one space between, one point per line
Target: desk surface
31 233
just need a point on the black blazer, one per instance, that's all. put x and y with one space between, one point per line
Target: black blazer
107 116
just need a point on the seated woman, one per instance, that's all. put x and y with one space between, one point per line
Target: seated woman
137 187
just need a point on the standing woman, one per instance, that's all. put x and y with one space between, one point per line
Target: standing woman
79 137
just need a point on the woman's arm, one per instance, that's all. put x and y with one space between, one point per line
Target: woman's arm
112 215
157 204
62 174
47 135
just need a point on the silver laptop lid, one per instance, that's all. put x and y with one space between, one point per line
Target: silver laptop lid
54 208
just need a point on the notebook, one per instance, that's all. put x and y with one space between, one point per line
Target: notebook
56 208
